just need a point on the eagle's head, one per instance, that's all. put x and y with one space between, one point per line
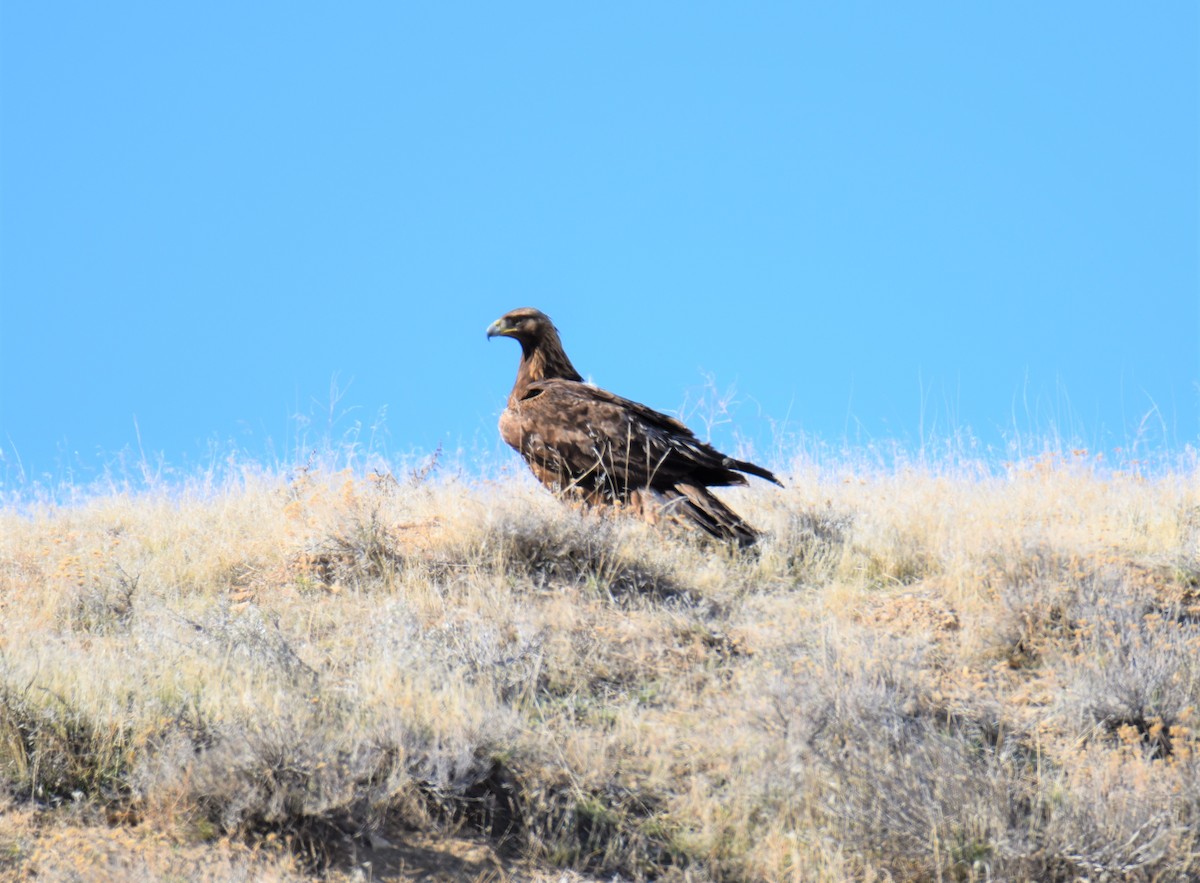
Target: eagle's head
542 355
526 324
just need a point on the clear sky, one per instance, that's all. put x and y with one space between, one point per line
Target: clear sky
872 220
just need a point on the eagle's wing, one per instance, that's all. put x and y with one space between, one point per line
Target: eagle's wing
575 434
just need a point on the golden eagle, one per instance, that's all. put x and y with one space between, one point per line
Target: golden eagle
607 450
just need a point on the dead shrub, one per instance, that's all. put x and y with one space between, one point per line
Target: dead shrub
575 548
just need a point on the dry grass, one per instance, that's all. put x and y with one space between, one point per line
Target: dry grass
919 674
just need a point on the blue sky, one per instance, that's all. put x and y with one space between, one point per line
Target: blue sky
871 220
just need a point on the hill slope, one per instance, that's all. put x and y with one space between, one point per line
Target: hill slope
918 674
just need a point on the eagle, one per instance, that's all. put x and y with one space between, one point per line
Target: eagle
583 441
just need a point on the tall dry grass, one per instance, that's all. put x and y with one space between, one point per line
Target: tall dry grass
921 673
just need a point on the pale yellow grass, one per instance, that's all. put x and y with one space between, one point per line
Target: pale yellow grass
917 674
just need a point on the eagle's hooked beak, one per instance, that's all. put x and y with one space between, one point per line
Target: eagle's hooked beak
498 329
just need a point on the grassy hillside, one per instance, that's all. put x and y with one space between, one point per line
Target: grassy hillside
919 674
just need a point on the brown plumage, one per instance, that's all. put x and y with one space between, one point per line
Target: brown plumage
607 450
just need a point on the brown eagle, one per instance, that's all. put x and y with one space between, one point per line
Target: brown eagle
607 450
